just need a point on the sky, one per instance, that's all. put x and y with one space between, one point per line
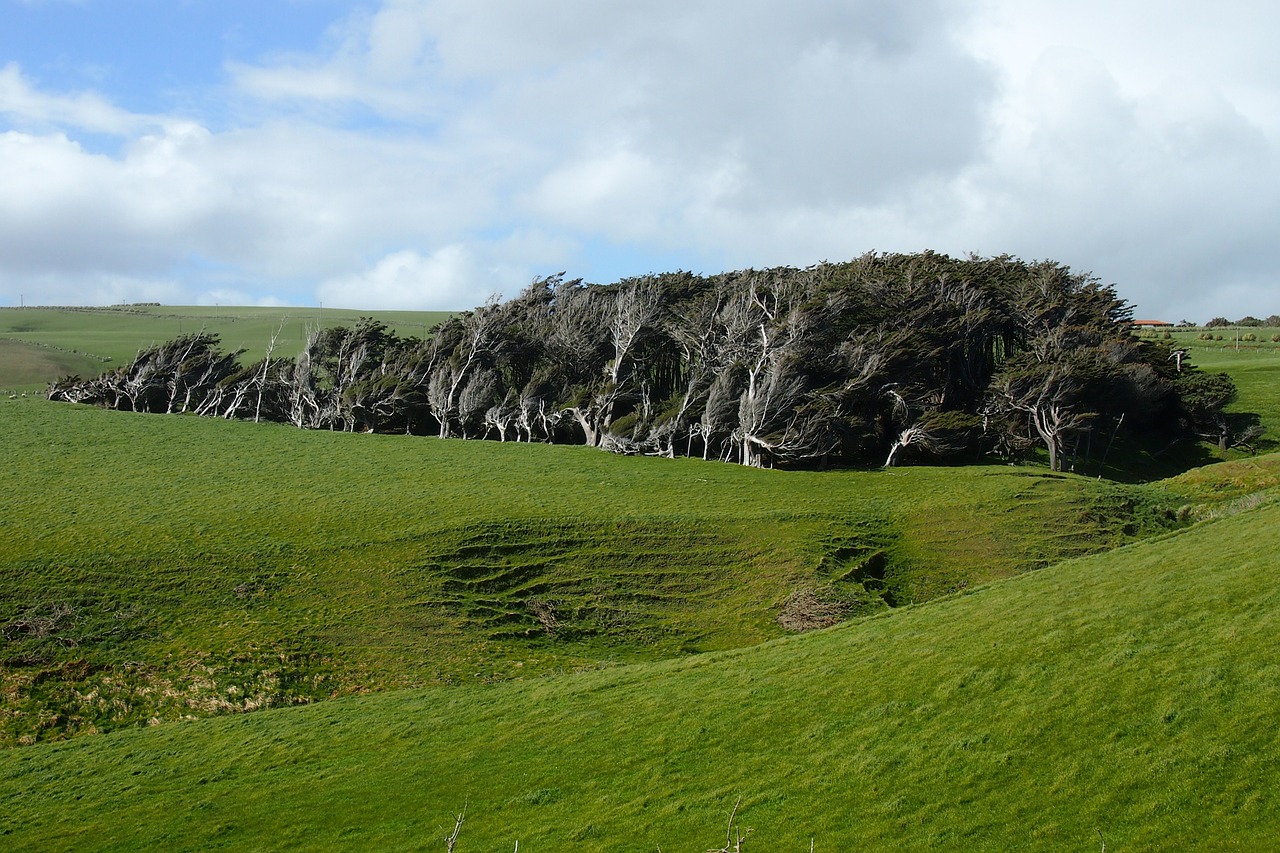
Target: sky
428 154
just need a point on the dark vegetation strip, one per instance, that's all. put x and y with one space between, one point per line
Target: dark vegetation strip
881 360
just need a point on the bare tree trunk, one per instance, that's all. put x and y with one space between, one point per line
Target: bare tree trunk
266 366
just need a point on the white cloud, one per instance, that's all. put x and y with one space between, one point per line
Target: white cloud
432 151
233 296
447 279
281 202
89 288
23 105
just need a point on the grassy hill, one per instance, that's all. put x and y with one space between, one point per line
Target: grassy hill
39 345
1253 366
591 652
1255 373
1130 696
27 365
161 567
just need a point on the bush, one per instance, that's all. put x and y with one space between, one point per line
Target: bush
1249 337
1217 337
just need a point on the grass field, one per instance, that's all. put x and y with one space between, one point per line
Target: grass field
117 333
170 566
1257 376
585 650
1129 697
29 366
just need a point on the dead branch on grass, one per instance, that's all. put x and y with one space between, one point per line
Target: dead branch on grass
733 836
451 839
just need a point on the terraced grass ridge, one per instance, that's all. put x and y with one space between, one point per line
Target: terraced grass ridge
158 568
1128 698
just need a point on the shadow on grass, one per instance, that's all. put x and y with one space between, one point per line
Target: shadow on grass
1130 463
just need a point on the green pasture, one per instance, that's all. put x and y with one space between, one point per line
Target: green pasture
1231 337
1256 373
1254 366
586 651
169 566
1128 699
103 337
26 366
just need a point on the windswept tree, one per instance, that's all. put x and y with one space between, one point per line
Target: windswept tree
888 359
464 345
1205 397
1056 380
174 377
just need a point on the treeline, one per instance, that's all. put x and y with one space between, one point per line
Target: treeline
885 359
1249 322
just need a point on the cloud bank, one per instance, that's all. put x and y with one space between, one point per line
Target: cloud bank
429 153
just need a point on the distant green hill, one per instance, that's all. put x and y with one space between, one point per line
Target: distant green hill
24 365
1129 698
117 333
1256 373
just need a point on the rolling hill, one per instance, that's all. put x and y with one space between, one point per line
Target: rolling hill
1128 698
596 652
39 345
177 566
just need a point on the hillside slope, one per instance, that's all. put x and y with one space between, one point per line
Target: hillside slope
87 341
1132 696
153 568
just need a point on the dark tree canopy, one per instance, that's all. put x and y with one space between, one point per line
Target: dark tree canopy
886 359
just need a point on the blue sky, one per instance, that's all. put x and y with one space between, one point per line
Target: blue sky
155 56
430 153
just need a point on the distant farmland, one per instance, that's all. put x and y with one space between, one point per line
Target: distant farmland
86 341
